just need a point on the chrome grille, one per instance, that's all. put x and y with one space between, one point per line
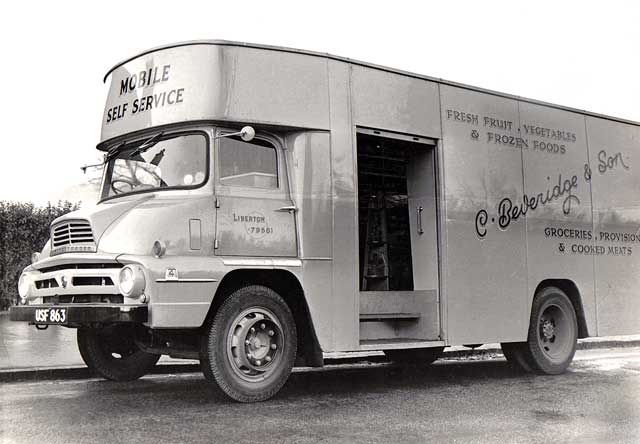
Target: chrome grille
72 235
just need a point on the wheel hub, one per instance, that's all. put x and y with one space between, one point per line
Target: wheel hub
254 343
548 329
258 347
554 338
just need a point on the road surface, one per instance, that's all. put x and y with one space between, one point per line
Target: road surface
598 400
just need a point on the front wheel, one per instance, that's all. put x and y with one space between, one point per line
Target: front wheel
113 353
250 346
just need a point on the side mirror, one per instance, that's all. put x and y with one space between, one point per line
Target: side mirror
247 133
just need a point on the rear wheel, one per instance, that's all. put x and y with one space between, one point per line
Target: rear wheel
552 337
424 356
113 353
553 332
250 346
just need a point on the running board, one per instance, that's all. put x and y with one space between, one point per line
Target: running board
374 317
398 343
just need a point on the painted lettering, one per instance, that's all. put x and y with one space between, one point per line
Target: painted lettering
142 79
606 162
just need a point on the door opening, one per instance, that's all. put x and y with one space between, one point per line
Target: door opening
388 185
383 214
397 237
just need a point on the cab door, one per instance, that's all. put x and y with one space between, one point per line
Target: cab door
255 215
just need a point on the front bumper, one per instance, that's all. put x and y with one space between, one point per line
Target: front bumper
84 314
74 281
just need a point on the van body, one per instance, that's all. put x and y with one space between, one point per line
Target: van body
378 209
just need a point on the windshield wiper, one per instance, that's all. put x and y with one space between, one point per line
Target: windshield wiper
113 152
144 146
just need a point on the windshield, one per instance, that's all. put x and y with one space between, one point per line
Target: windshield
171 161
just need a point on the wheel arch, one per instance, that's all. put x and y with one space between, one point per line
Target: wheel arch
287 285
571 290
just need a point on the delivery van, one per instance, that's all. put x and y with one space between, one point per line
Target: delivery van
261 207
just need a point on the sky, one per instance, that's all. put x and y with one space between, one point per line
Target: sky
582 54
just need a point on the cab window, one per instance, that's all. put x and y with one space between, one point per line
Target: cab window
248 164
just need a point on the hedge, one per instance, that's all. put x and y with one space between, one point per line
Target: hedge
24 229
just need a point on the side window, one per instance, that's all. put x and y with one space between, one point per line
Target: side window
248 164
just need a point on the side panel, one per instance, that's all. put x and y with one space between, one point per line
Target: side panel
396 103
309 160
559 230
274 87
485 265
209 82
344 283
614 160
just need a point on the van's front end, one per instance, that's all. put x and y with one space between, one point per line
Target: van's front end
105 263
192 249
151 235
136 271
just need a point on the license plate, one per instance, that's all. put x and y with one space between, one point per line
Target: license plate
50 316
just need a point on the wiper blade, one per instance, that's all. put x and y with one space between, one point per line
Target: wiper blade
113 152
144 146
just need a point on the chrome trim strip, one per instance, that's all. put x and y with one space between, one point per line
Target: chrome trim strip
76 258
263 262
69 288
187 280
173 304
372 345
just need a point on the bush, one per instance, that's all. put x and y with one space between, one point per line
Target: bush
24 228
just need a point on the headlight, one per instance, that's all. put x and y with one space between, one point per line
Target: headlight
35 257
131 281
24 284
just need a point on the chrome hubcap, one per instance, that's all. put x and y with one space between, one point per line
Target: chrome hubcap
554 333
254 344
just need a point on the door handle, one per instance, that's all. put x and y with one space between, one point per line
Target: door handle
288 208
419 221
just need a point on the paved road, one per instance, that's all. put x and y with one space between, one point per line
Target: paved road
598 400
23 347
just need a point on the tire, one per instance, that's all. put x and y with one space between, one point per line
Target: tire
113 354
515 354
250 345
553 332
424 356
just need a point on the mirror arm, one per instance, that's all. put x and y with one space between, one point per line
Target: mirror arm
95 165
247 134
